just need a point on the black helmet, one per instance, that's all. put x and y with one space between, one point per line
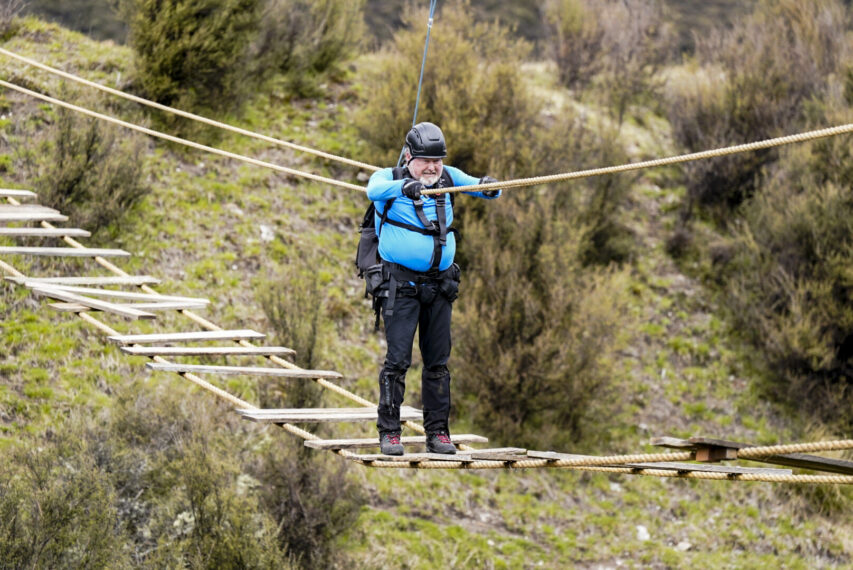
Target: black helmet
426 140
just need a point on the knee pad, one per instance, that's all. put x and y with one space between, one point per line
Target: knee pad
436 372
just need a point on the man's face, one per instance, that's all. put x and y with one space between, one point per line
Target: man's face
427 170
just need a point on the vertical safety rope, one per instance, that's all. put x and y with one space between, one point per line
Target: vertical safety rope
432 5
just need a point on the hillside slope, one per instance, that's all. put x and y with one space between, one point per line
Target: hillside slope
205 230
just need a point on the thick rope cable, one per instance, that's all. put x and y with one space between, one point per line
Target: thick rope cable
188 115
686 474
759 145
185 142
432 5
767 451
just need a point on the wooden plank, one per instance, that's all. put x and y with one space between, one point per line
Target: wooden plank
166 306
498 454
32 217
412 457
208 350
729 469
15 208
10 193
44 232
95 280
94 303
113 294
554 456
64 251
363 443
316 415
672 443
186 336
798 460
243 370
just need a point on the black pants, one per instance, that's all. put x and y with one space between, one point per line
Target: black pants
426 307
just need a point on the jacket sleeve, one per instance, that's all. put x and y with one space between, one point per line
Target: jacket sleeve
382 187
462 179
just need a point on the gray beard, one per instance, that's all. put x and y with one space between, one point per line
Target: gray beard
429 180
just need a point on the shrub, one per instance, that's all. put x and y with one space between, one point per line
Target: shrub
759 74
575 37
9 10
535 328
789 287
57 509
302 38
621 42
639 42
309 494
193 54
88 170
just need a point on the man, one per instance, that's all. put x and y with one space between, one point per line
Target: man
417 246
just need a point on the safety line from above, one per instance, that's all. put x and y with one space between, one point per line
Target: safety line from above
188 115
185 142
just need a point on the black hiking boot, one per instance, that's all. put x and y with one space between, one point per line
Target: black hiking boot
439 442
390 444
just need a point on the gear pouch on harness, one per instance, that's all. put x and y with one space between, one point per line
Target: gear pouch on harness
376 280
449 285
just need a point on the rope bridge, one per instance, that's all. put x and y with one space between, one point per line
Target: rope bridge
84 295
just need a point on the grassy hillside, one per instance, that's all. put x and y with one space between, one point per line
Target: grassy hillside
205 230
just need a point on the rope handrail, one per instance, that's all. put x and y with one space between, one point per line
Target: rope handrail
187 114
713 153
185 142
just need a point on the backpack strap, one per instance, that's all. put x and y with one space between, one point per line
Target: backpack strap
437 229
383 217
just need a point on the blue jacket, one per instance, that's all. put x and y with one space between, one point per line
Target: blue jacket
405 247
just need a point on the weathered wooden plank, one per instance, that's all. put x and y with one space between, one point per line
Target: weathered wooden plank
97 304
44 232
113 294
364 443
729 469
64 251
498 454
672 443
317 415
554 456
32 217
10 193
242 334
95 280
412 457
165 306
243 370
208 350
15 208
798 460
